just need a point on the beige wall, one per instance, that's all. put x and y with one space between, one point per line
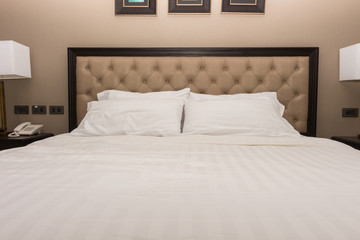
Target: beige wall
49 27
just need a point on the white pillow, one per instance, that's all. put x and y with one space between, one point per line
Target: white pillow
117 94
245 116
271 96
147 117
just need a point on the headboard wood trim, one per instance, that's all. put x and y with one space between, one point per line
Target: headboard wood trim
311 52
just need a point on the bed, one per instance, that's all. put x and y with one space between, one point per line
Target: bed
185 186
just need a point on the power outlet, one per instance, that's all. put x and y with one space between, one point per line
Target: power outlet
350 112
56 109
38 109
21 109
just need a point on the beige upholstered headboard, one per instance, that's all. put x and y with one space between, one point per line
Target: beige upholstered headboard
291 72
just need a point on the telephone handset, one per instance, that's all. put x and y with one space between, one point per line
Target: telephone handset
26 129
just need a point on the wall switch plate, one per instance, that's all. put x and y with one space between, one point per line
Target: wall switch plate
21 109
56 109
350 112
36 109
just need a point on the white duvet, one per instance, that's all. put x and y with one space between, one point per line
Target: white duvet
180 188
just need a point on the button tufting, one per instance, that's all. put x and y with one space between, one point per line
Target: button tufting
133 68
249 68
88 93
273 68
121 81
99 80
144 81
110 68
295 120
201 68
237 81
179 68
260 81
296 94
284 81
225 68
213 81
87 67
296 68
155 68
190 81
167 81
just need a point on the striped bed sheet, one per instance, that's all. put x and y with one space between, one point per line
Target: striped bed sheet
180 188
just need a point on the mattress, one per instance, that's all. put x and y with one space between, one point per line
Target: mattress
188 188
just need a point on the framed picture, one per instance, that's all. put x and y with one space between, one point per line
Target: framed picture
189 6
243 6
135 7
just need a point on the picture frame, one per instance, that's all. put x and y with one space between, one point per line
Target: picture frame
189 6
243 6
135 7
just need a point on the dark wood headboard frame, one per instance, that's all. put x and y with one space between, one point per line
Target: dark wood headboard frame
311 52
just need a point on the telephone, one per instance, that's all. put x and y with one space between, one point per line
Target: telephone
26 129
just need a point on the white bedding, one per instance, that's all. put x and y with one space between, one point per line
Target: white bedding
188 188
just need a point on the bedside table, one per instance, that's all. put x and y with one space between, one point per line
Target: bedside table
7 142
351 141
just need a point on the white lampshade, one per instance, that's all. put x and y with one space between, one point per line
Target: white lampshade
14 60
350 63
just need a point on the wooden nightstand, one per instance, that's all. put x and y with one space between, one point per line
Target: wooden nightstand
6 142
351 141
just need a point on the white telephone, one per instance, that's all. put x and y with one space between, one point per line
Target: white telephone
26 129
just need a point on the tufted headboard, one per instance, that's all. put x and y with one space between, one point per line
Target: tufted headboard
291 72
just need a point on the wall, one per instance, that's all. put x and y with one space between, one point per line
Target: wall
50 27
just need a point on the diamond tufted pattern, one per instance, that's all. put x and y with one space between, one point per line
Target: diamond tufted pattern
288 76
